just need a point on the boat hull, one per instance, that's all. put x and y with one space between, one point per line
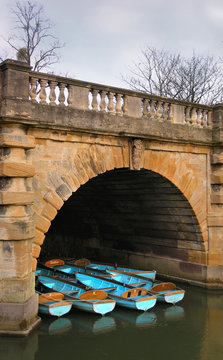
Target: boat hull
90 301
55 310
53 304
172 297
166 291
142 304
99 307
131 298
103 267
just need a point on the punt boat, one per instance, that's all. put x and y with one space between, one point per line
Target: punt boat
126 296
71 269
51 271
96 269
53 304
150 274
165 291
95 301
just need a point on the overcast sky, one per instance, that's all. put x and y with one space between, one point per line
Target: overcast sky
103 37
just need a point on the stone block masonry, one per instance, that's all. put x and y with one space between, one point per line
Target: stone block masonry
150 168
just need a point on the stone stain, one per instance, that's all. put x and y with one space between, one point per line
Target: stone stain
4 152
7 248
5 183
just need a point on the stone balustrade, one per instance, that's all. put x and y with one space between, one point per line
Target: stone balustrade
46 89
60 91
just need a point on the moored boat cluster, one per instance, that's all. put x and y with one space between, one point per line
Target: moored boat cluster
98 288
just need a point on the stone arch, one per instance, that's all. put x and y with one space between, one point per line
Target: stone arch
188 175
56 179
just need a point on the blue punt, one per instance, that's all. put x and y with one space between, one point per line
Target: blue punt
71 269
129 297
95 269
146 273
92 301
53 304
165 291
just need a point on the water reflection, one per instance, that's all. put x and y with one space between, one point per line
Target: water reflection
135 318
192 330
212 342
52 327
93 323
174 313
19 348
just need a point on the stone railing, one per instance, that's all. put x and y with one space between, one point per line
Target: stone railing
17 81
53 90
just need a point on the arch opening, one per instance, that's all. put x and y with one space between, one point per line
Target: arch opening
125 216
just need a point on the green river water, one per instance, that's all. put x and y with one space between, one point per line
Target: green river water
189 331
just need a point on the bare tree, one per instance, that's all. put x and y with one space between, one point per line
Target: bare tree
32 38
196 79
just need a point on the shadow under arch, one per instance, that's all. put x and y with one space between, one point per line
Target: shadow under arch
128 217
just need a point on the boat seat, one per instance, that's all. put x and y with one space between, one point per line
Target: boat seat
54 262
93 295
163 286
50 297
134 292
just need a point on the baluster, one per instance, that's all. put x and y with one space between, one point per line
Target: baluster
103 103
94 100
193 117
61 97
158 110
171 112
118 104
70 95
52 95
42 94
110 103
187 115
152 110
203 118
199 120
145 107
203 123
125 105
32 92
165 111
209 119
206 120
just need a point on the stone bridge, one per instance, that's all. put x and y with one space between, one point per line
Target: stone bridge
94 171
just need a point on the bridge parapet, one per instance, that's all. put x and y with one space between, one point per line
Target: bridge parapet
60 91
18 81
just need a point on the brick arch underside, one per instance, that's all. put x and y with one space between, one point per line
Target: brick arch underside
56 181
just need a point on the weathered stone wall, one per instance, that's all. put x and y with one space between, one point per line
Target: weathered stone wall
17 228
215 215
65 161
